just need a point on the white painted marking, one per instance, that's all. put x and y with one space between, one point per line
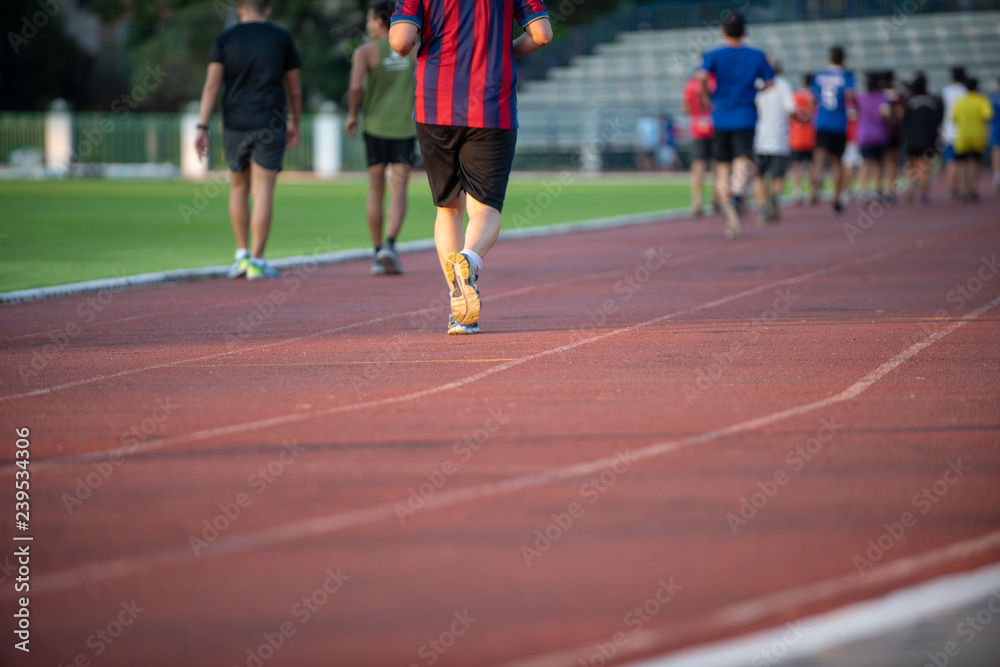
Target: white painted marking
845 625
332 523
233 429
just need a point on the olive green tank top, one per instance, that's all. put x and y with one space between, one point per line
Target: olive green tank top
389 91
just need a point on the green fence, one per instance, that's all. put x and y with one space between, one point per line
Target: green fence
143 138
19 131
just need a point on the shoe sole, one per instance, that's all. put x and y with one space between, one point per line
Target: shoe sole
463 330
390 264
465 303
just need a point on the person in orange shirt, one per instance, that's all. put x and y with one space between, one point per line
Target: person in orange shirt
802 135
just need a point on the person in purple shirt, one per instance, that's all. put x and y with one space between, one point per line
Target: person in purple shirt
874 110
736 68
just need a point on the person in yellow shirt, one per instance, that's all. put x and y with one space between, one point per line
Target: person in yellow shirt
971 115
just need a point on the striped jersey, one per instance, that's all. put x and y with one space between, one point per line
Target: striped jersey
465 73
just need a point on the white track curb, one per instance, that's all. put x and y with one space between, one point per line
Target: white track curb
179 275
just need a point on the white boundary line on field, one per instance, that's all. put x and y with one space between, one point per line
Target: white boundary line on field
177 275
332 523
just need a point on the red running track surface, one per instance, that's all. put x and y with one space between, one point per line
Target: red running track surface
658 434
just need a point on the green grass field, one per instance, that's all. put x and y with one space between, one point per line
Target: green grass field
53 233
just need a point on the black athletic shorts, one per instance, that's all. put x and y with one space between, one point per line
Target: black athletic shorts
388 151
873 152
265 146
975 156
772 164
920 151
833 142
802 156
702 150
471 159
729 144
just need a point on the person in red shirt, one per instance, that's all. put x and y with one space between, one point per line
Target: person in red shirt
802 135
697 106
466 114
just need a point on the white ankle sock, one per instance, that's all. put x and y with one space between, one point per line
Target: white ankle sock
242 253
474 259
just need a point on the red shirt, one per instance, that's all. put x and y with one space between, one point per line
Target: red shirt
701 117
465 66
801 126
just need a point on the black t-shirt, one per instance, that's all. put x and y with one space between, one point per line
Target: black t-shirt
255 57
921 120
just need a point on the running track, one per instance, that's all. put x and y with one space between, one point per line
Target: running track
631 389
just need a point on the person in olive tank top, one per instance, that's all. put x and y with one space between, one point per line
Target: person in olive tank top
382 89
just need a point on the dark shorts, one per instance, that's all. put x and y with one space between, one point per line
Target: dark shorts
730 144
388 151
873 152
833 142
774 165
802 156
920 151
471 159
702 150
265 146
972 156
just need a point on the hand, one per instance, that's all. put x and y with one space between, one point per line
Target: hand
292 136
351 126
201 144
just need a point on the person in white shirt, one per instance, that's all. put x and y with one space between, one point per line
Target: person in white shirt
950 94
775 106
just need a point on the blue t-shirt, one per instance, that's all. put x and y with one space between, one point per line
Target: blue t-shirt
830 86
736 71
995 103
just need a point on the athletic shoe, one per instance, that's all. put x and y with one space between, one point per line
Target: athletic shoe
456 329
734 221
773 208
238 268
836 208
465 302
377 269
259 269
389 261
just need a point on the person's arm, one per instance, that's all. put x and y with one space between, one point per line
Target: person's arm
209 93
537 34
403 37
706 96
293 84
360 66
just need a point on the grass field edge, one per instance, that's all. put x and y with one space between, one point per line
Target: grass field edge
186 275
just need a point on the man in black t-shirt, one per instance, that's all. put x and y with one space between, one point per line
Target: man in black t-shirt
257 61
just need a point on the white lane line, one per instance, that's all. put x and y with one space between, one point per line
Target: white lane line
244 427
501 295
845 624
332 523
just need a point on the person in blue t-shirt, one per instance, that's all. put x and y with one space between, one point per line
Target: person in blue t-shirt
736 69
834 88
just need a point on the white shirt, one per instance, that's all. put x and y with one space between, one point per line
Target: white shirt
647 132
774 104
950 94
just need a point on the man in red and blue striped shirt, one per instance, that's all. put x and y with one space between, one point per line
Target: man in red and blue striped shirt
466 114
